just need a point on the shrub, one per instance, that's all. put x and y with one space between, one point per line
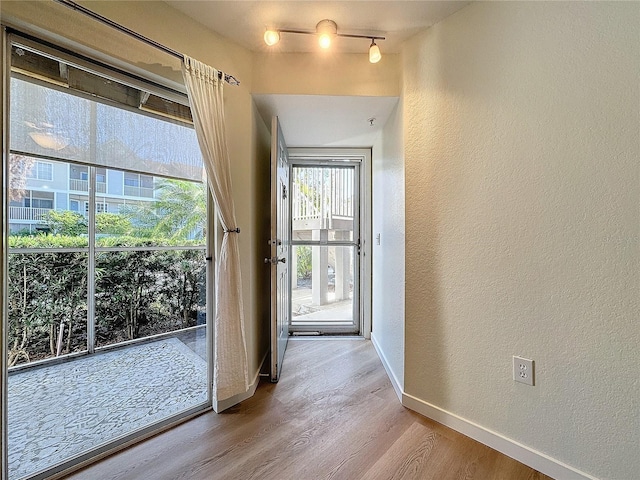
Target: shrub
112 223
304 262
65 222
138 292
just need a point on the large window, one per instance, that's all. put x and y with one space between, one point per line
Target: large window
41 171
107 313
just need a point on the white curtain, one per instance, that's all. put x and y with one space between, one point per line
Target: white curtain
230 375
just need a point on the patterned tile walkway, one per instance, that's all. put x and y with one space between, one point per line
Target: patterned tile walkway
59 411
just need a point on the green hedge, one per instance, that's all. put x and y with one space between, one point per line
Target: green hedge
138 293
64 241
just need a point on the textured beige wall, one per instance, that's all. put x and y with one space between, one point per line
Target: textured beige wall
388 295
522 127
158 21
338 74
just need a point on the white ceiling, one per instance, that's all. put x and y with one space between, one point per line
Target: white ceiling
309 120
245 22
314 120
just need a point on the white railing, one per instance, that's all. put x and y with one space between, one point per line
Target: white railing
322 193
302 206
78 185
138 192
27 213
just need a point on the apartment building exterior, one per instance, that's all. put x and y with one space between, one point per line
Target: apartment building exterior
53 185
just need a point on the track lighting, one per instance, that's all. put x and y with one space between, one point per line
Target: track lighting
374 52
271 37
326 30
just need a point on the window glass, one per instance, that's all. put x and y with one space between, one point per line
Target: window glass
53 123
106 265
41 171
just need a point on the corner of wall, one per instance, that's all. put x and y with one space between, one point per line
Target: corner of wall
388 251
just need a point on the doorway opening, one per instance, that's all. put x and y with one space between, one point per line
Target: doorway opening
328 196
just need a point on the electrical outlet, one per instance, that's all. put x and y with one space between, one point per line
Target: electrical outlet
523 370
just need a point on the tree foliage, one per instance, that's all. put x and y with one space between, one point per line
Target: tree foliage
112 224
178 212
19 167
65 222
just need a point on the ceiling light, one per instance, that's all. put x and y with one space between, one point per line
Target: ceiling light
326 30
324 40
271 37
374 52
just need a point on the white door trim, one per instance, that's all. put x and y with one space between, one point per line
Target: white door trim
364 155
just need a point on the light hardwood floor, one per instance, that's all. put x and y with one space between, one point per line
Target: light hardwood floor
333 415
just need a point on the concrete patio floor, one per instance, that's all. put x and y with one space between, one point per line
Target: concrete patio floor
304 312
61 410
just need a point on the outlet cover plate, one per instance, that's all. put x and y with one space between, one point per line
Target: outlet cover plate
523 370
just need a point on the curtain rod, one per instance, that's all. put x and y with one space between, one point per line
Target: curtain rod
230 79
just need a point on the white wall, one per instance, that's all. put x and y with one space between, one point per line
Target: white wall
389 256
521 123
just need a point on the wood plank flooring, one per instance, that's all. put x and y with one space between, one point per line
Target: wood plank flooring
333 415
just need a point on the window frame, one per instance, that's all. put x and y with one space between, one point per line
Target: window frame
35 172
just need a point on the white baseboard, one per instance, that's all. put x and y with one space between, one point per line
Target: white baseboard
530 457
390 373
222 405
526 455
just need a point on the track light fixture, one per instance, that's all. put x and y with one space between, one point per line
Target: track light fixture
374 52
326 30
271 37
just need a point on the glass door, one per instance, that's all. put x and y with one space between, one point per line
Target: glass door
106 312
325 225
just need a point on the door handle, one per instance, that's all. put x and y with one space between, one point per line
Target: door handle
275 260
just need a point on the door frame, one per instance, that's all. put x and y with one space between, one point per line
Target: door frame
363 155
280 241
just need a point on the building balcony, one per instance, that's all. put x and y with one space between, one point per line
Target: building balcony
143 192
78 185
27 213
